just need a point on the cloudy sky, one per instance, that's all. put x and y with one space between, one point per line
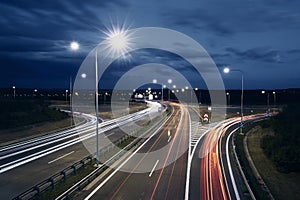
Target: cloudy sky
259 37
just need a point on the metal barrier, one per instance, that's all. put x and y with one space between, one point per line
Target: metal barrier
49 183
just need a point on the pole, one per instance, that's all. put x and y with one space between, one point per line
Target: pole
71 100
268 102
96 102
242 103
162 92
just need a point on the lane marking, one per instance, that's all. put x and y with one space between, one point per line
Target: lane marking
124 162
52 161
153 168
169 138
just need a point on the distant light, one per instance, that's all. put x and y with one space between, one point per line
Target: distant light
169 81
226 70
35 90
227 93
209 108
186 87
74 46
263 92
67 90
174 86
196 89
149 89
182 90
83 75
14 87
274 92
154 81
164 86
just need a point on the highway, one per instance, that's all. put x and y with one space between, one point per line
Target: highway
180 159
24 164
212 176
151 175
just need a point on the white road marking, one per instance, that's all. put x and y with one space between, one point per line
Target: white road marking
120 166
169 138
52 161
153 168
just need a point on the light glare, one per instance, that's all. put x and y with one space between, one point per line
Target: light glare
74 46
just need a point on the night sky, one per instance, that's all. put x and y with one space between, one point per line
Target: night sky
259 37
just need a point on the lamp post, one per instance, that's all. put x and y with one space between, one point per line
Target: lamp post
34 92
274 98
226 71
117 42
67 96
74 47
228 95
14 89
97 107
169 81
268 99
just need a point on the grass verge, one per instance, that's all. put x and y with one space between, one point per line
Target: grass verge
282 185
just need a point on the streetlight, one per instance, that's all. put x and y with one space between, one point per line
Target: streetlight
34 92
67 96
274 98
226 71
74 46
169 81
118 44
228 95
14 88
268 99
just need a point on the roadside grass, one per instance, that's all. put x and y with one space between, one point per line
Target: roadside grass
282 185
255 186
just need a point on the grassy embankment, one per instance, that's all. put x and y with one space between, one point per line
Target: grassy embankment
275 151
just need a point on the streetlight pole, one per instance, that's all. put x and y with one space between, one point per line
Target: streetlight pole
268 100
227 70
14 88
71 110
228 94
96 102
67 96
169 81
274 98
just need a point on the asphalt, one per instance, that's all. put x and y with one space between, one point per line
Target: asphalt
161 176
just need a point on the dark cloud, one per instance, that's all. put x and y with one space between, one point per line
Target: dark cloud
257 54
35 35
225 18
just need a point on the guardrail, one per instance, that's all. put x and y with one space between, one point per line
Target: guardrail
57 178
50 183
45 185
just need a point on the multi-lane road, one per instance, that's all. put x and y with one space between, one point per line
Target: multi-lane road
24 164
180 159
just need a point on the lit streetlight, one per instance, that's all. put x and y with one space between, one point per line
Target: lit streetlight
118 44
268 99
14 88
226 71
228 96
274 98
67 96
169 81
